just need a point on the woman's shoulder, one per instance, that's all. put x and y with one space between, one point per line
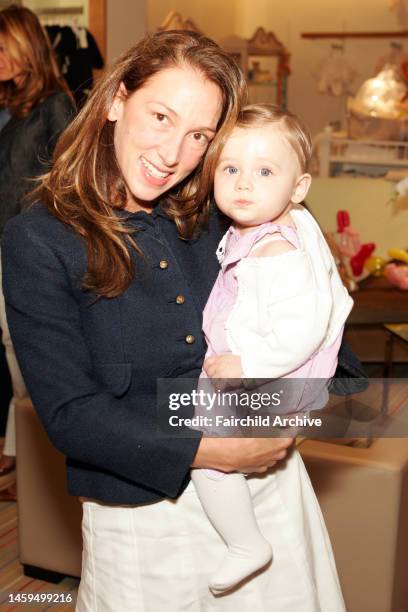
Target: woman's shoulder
58 104
58 99
37 225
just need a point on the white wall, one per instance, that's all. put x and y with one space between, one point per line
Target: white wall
215 18
287 20
126 25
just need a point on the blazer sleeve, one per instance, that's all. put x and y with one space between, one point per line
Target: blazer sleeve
292 316
82 419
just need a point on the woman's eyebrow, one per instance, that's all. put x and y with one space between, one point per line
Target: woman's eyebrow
204 128
168 109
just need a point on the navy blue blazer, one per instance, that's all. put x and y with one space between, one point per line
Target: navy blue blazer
91 366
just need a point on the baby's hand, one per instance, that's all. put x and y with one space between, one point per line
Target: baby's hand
226 369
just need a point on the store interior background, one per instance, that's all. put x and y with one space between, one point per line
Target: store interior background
362 486
118 24
128 20
287 20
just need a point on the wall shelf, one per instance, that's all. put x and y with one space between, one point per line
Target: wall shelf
333 149
390 34
60 11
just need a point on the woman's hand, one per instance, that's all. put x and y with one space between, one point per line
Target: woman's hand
241 454
226 370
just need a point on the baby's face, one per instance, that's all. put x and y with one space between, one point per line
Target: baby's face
256 176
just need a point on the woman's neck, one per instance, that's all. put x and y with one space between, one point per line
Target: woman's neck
134 205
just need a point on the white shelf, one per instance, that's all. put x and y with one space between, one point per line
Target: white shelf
371 162
335 149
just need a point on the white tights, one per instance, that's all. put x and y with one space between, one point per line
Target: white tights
227 502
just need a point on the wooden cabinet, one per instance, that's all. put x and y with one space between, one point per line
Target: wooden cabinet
265 63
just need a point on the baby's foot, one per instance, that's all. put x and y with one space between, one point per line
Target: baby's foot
239 563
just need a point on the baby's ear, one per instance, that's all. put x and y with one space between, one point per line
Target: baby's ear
301 188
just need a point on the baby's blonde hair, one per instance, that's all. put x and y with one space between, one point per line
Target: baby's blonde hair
260 115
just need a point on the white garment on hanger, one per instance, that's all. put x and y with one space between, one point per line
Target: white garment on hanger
80 33
335 74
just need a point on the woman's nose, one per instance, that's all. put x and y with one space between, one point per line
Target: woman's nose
170 150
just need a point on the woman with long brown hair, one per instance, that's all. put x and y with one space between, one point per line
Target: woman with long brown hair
39 107
105 282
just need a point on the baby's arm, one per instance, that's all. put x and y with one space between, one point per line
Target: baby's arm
271 247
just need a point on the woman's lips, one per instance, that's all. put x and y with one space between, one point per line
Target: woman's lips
152 174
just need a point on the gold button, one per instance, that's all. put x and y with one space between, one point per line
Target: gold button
190 339
180 299
164 264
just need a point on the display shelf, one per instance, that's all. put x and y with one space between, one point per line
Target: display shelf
176 21
333 149
269 84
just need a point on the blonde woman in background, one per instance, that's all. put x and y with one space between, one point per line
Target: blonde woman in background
39 106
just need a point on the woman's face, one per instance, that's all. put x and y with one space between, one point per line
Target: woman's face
9 70
162 131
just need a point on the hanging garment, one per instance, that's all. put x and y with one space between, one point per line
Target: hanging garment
78 56
335 75
83 61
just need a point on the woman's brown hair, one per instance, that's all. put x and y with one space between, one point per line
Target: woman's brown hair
86 185
29 49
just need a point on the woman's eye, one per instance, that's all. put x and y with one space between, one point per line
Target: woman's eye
200 138
265 172
231 170
160 117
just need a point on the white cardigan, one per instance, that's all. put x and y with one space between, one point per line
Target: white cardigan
289 306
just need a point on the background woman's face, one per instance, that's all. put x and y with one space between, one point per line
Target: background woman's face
8 68
163 130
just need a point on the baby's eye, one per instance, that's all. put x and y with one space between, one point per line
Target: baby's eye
231 170
265 172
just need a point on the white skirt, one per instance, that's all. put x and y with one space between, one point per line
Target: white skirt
157 557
